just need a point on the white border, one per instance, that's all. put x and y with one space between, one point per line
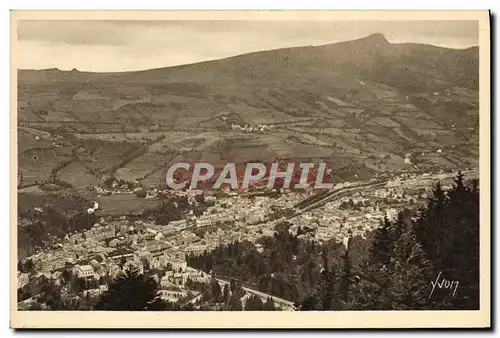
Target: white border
186 4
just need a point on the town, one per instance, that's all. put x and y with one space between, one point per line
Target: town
160 248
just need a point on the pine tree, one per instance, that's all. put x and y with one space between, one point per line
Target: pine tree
216 291
51 296
131 292
410 269
370 293
327 290
403 283
327 295
269 305
448 229
226 293
254 303
383 243
430 229
123 260
235 304
310 303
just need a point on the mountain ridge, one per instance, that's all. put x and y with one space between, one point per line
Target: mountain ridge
362 104
372 38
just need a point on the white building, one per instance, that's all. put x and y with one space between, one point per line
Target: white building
84 271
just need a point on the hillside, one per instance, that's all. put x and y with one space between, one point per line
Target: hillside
360 105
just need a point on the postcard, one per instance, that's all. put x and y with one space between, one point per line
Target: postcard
250 169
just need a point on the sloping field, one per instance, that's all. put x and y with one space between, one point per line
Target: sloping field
77 175
35 165
141 166
129 204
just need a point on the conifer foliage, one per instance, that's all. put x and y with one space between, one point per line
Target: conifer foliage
407 254
131 291
448 229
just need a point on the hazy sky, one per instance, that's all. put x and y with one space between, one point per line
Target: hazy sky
134 45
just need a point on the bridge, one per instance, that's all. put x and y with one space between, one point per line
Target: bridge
279 302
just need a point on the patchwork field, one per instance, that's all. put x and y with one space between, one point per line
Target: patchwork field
35 165
140 167
359 111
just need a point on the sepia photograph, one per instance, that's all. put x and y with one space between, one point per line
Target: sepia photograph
277 169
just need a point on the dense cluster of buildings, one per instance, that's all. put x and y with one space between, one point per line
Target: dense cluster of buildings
113 244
